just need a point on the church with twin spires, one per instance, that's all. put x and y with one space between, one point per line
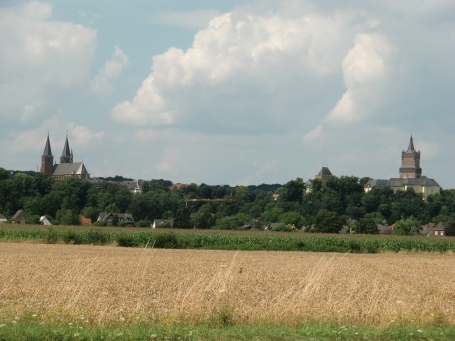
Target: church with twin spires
66 168
410 176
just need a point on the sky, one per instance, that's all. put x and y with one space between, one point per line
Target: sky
229 91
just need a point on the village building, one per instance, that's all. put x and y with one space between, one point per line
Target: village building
3 219
410 176
66 168
20 217
323 175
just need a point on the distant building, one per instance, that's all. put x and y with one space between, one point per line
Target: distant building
43 220
20 217
323 175
410 176
107 217
66 168
3 219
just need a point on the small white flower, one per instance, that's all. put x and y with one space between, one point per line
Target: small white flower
34 315
2 325
14 322
122 319
223 265
399 302
76 334
153 336
419 330
70 324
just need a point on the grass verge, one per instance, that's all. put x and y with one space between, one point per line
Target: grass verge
309 331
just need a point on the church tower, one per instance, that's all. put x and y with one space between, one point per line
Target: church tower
47 159
67 155
410 162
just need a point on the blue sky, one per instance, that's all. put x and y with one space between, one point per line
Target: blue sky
229 92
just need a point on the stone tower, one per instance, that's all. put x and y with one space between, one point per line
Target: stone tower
410 162
47 159
67 155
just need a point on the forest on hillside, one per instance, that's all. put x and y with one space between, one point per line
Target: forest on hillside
333 203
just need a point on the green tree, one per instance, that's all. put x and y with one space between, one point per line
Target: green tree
182 218
328 222
292 218
405 226
366 226
293 190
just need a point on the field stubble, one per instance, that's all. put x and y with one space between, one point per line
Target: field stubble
94 285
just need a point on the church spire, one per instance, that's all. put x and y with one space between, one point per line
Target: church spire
411 145
66 155
66 149
47 147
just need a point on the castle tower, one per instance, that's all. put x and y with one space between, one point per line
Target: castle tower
67 156
47 159
410 162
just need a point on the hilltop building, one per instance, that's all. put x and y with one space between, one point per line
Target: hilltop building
66 168
410 176
323 175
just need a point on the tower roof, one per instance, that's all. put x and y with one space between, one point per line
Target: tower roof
325 171
47 148
411 145
66 149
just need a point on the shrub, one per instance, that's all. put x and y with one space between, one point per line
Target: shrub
100 223
96 237
127 240
166 241
72 237
142 223
51 236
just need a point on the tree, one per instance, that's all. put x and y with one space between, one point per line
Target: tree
293 190
406 226
292 218
366 226
327 222
182 218
450 229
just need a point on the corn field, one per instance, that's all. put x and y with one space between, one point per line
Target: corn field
254 241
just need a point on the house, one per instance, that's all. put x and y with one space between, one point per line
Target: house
43 220
3 219
275 196
20 217
384 229
85 221
438 230
107 217
270 226
178 185
157 222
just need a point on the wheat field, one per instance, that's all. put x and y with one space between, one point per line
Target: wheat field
107 285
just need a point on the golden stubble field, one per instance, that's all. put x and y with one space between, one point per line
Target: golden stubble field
106 285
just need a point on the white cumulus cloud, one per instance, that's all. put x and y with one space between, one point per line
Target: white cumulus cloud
41 58
102 83
242 68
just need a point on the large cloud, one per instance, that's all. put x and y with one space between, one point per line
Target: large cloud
242 69
40 59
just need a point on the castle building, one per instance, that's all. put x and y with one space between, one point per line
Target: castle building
410 162
410 176
323 175
66 168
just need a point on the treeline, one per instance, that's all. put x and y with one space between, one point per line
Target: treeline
326 208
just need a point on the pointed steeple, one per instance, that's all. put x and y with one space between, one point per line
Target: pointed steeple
47 148
66 149
411 145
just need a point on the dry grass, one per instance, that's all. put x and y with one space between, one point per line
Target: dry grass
110 285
